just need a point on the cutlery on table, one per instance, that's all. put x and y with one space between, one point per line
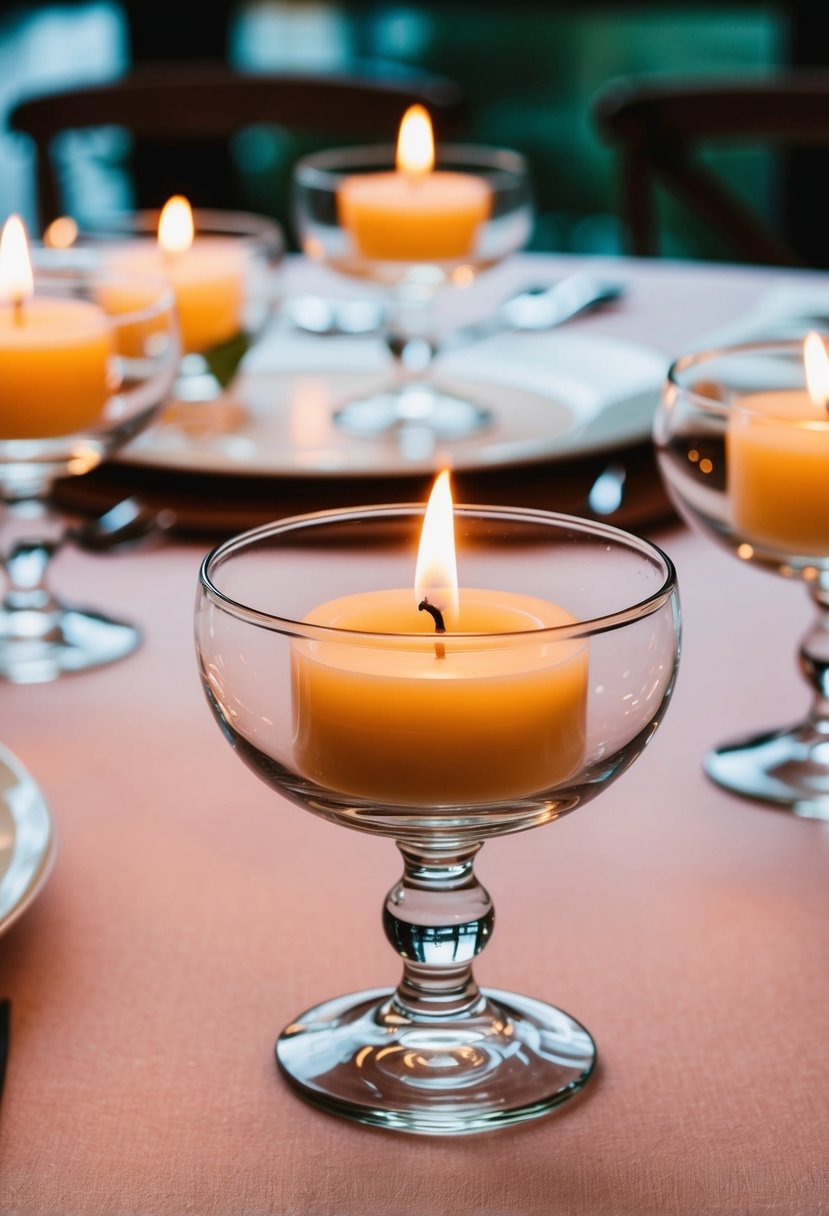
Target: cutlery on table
537 307
128 522
607 491
331 318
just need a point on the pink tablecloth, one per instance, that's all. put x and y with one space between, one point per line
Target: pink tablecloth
192 913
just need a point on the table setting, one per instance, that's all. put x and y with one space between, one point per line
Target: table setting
441 538
374 393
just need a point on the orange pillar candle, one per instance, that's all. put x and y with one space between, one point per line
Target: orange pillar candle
54 352
439 719
207 274
415 213
778 462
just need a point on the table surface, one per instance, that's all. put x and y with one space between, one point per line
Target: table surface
192 912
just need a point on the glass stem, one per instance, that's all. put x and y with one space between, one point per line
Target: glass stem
25 559
814 657
409 335
437 918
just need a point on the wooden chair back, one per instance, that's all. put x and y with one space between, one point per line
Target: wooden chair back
173 109
659 131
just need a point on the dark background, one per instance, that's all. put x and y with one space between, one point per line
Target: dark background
528 70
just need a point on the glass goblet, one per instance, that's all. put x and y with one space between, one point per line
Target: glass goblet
64 423
412 262
439 742
744 453
226 293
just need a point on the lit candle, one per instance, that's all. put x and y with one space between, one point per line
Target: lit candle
778 461
207 274
414 213
54 351
439 718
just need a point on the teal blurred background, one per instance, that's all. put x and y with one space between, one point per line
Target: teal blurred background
529 72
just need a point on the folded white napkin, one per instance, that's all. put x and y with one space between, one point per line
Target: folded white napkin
781 313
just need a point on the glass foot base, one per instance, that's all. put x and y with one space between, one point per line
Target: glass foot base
786 768
75 640
413 407
511 1059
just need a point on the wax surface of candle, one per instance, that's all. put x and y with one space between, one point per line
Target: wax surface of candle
778 471
54 356
414 214
398 217
390 720
208 281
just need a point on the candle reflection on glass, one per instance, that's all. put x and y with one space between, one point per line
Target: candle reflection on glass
401 714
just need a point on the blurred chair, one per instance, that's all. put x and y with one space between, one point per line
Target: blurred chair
661 131
174 113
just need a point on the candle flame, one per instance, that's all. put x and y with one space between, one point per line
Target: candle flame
415 143
436 573
175 225
816 363
16 282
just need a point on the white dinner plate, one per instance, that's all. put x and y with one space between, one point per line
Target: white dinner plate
555 394
27 839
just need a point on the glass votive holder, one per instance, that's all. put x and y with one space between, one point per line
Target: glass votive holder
87 360
222 267
742 439
551 675
413 235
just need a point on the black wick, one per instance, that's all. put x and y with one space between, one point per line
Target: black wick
440 627
434 613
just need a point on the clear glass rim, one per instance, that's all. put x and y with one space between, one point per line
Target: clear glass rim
62 271
699 358
324 170
580 629
247 226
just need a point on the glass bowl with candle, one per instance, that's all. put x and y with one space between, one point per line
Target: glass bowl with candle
371 676
222 267
742 439
87 359
414 220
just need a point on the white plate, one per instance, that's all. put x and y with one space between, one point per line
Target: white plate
555 394
27 839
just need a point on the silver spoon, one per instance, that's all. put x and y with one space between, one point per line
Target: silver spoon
606 493
536 307
127 523
531 310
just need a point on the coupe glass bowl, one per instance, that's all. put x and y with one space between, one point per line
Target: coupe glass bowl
744 453
411 271
224 303
439 741
55 431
